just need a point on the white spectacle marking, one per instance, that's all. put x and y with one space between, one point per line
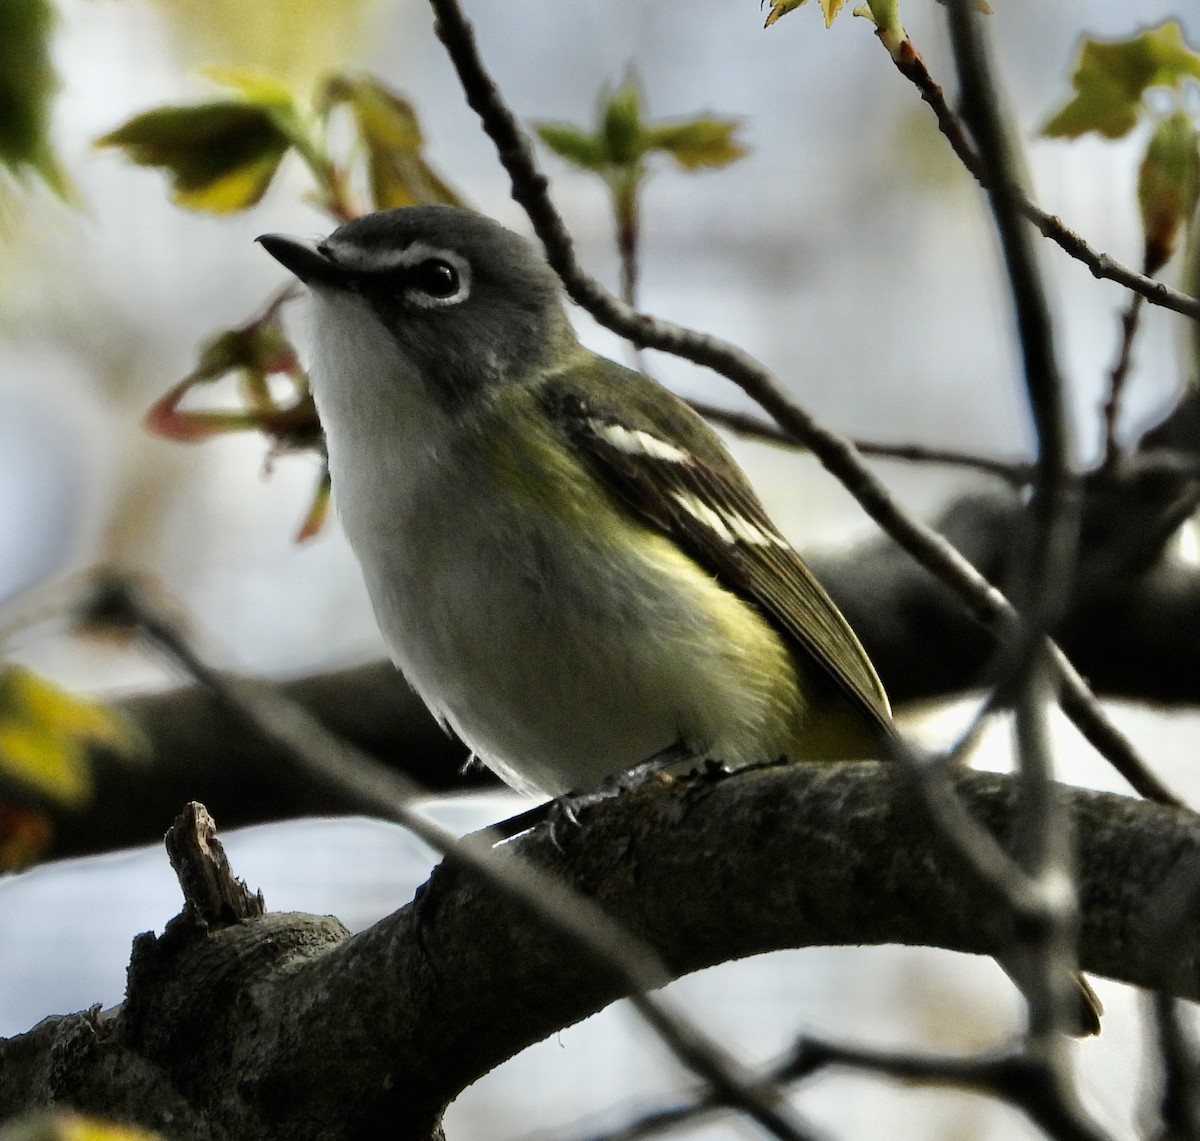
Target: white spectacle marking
727 526
635 442
385 260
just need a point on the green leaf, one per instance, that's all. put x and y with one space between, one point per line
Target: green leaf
780 8
1111 78
220 156
578 147
397 170
617 149
621 123
255 87
1168 186
698 144
27 87
44 734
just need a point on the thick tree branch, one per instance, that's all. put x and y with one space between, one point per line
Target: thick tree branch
199 750
402 1017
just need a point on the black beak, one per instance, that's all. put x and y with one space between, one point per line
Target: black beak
303 258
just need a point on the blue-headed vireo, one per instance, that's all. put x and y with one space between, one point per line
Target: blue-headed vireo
566 563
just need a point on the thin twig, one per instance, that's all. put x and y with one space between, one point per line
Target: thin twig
320 754
912 67
1130 319
1018 473
982 600
1046 834
755 427
1010 1076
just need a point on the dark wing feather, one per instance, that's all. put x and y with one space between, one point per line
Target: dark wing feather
694 491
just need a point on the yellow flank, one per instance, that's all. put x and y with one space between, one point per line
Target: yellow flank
743 693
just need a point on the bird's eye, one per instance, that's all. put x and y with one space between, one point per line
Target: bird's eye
435 277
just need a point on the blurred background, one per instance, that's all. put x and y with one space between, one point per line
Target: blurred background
848 252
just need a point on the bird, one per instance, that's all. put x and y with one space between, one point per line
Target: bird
565 561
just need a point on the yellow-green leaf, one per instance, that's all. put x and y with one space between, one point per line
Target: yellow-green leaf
62 1125
254 86
397 170
621 123
578 147
1168 186
220 156
27 87
780 8
831 8
1111 78
699 143
45 732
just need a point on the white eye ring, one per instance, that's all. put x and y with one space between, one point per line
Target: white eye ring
440 268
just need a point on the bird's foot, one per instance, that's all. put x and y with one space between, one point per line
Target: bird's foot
565 810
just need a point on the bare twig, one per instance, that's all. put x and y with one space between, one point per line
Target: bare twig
982 600
1048 948
1009 1076
317 752
756 428
912 67
1130 319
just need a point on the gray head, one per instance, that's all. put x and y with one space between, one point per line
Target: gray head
468 303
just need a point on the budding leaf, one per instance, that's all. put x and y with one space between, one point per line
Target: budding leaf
578 147
621 126
780 8
220 156
1111 78
253 352
699 144
1168 186
398 173
617 148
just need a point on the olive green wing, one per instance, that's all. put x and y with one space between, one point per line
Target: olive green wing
669 466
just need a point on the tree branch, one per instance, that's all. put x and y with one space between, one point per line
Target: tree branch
401 1018
910 64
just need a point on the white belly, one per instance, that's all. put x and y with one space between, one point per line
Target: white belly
559 659
559 651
